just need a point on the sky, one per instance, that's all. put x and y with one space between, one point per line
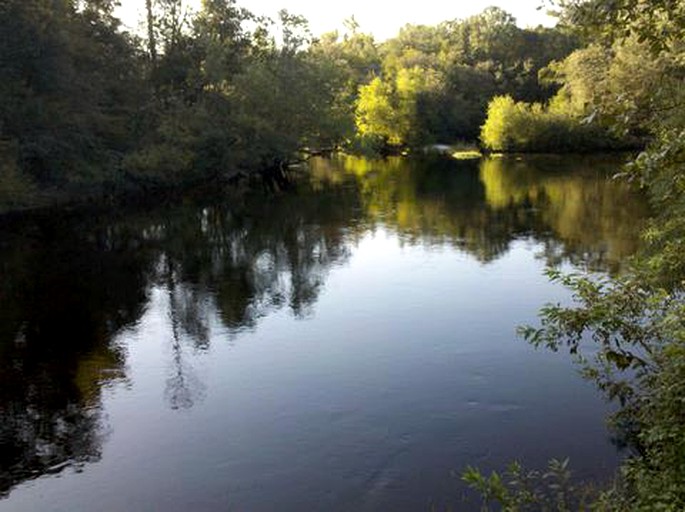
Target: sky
382 18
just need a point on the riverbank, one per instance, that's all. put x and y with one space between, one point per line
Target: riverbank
17 198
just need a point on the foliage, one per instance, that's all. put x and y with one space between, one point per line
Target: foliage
348 63
608 96
399 113
89 107
523 127
638 344
68 82
520 490
377 114
237 101
614 86
435 82
629 333
220 90
15 189
659 23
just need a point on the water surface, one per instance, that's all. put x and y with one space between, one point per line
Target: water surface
346 344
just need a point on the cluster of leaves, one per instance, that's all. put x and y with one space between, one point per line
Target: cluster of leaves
634 329
69 83
232 99
222 90
656 22
608 97
635 335
521 490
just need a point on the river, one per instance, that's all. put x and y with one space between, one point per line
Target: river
348 343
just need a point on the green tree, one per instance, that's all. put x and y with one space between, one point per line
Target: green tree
377 113
70 84
464 63
346 63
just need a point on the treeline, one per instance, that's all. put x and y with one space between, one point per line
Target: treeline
434 83
88 107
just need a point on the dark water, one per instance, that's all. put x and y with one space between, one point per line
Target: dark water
343 345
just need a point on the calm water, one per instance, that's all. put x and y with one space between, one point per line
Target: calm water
343 345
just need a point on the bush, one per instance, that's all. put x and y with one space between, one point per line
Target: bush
531 128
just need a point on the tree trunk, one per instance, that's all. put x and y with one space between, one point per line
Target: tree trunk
152 44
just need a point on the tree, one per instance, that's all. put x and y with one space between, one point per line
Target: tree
69 83
151 40
377 113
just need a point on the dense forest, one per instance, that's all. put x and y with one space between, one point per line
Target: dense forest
89 110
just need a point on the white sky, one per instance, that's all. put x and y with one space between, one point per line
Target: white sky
380 17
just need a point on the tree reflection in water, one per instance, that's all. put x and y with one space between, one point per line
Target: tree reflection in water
70 285
64 294
570 205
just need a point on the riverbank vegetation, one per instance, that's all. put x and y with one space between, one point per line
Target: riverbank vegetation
628 333
88 108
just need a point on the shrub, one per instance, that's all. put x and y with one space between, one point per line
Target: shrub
532 128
